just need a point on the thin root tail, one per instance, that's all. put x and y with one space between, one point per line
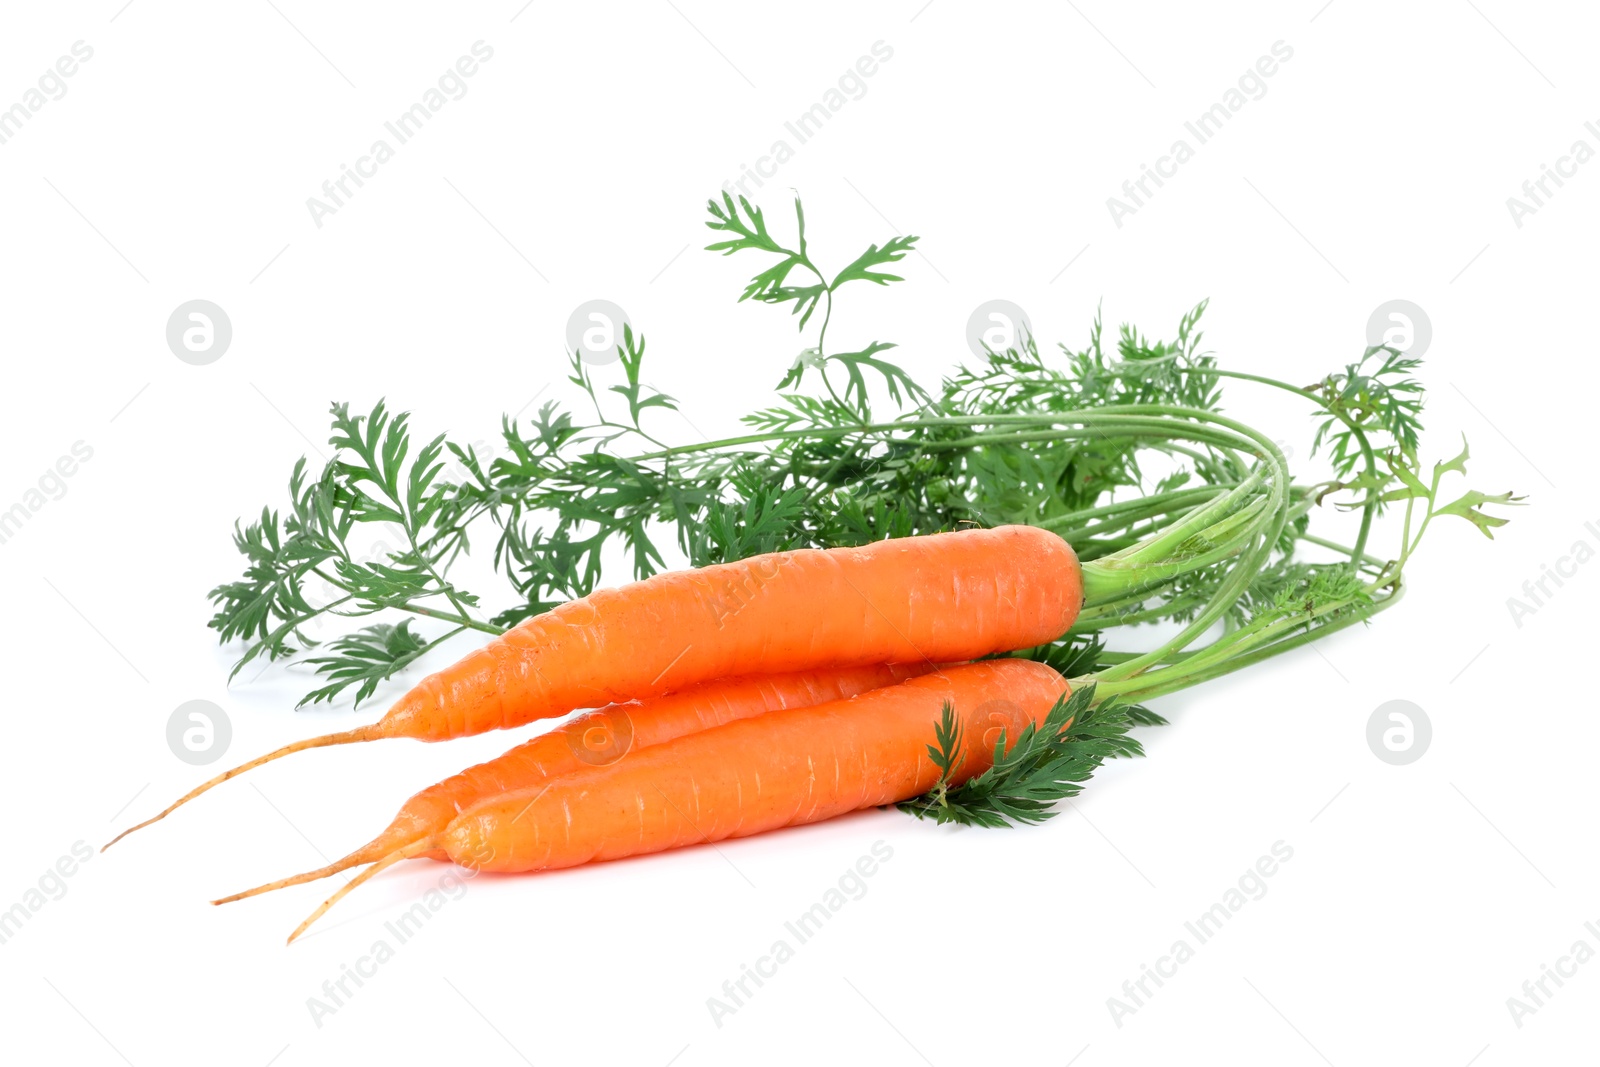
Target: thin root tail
364 733
416 848
364 854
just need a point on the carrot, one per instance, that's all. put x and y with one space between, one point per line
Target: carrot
784 768
599 738
931 599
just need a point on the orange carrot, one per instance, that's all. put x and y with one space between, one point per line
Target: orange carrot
938 598
784 768
598 738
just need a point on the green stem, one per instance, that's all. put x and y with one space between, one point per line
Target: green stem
1092 623
1145 566
1370 507
436 642
625 428
1323 542
1154 504
1241 574
1109 413
462 621
1160 683
403 605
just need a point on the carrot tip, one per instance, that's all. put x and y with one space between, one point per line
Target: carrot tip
362 733
367 853
416 848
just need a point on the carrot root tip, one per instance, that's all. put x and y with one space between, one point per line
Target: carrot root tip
362 733
365 854
416 848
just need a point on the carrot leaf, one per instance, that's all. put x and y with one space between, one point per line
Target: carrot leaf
1468 507
748 226
365 658
1049 762
893 251
946 751
1375 395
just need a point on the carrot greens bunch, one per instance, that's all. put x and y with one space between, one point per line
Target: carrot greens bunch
1050 501
1180 515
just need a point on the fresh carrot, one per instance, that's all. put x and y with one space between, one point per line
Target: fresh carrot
784 768
598 738
938 598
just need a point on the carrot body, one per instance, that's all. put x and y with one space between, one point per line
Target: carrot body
598 738
784 768
931 599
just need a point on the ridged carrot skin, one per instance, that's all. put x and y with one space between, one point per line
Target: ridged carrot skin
784 768
602 737
598 738
938 598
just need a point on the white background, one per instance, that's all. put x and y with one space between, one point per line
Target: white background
1377 166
